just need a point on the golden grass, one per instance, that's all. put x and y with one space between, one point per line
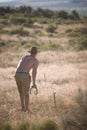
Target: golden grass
59 72
44 38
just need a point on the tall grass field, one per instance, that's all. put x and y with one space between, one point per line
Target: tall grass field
61 38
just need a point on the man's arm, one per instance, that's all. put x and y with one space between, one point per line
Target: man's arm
34 73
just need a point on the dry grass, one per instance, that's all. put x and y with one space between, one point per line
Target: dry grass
59 72
57 37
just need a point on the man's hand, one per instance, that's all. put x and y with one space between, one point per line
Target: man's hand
34 86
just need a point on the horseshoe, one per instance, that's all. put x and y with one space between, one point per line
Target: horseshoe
33 88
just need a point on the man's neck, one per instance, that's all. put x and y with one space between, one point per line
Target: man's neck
32 55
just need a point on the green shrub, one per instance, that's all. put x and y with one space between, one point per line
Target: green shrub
79 43
42 20
69 21
16 46
34 126
4 21
48 125
58 21
84 20
5 127
51 28
82 30
69 30
28 22
44 125
24 126
69 124
17 20
19 30
2 31
30 43
74 34
54 46
2 43
78 118
77 32
50 34
1 26
38 32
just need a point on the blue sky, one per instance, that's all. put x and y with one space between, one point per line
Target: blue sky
50 4
31 0
5 0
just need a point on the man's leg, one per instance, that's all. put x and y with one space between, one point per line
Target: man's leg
22 101
28 80
19 86
25 89
27 101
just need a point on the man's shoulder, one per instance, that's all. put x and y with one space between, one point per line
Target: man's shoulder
25 56
36 61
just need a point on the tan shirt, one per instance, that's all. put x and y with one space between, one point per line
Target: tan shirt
27 63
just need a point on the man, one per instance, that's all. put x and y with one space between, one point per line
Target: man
23 78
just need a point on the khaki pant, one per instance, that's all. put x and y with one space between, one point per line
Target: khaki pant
23 82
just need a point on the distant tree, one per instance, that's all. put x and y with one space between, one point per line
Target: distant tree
61 14
74 15
1 10
4 10
48 13
29 9
24 9
42 13
36 13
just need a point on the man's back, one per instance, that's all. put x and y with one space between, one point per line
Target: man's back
26 64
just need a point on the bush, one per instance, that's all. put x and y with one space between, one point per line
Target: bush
34 126
69 30
78 120
19 30
30 43
17 20
79 43
28 22
42 20
77 32
5 127
51 28
74 34
38 32
4 21
24 126
82 30
45 125
81 113
2 43
54 46
48 125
